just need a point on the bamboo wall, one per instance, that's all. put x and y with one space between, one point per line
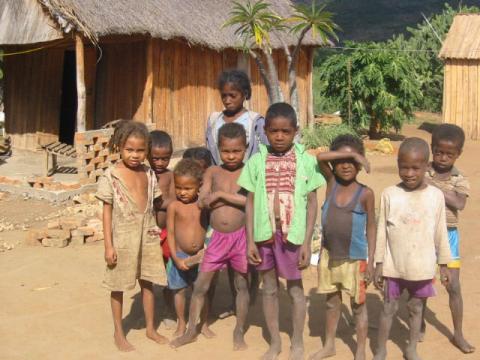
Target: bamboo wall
166 82
32 97
461 96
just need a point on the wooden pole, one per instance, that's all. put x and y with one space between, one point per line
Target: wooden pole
149 83
310 114
81 92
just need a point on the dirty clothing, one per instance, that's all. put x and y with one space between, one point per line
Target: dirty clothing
134 234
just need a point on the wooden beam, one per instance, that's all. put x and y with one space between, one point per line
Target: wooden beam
148 94
81 91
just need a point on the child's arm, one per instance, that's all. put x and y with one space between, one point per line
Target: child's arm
110 253
171 237
324 159
455 200
206 189
232 199
252 251
381 242
306 249
442 246
371 232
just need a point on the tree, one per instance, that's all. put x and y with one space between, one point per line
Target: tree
255 23
375 87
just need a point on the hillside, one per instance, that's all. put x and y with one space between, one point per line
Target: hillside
378 20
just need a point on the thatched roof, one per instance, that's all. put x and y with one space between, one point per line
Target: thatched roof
463 39
197 21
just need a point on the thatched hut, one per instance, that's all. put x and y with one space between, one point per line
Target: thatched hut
78 64
461 92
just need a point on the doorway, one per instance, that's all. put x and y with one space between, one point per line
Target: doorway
68 105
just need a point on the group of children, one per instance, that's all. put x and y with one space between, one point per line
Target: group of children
262 215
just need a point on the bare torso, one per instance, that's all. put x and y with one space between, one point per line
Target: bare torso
136 182
190 227
225 217
165 183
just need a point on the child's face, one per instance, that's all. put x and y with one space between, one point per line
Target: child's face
411 169
159 159
134 151
232 98
445 153
232 152
346 169
280 134
186 188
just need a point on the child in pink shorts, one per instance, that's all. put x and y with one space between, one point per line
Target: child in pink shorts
228 244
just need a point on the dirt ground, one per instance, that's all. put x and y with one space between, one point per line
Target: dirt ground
52 305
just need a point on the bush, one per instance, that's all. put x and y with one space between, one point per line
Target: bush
322 135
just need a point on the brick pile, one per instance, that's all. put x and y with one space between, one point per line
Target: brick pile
76 225
93 156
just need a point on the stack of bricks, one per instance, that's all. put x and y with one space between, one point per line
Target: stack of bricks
93 156
47 183
67 231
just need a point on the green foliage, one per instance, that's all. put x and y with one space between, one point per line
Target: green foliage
322 135
316 18
375 87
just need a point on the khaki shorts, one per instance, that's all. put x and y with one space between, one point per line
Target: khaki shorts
342 275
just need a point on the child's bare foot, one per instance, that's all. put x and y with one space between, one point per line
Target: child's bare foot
360 355
122 343
273 352
185 339
181 328
155 336
411 353
325 352
296 353
380 355
207 332
238 340
462 344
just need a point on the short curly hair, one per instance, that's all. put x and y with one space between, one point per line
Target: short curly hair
348 140
415 145
161 139
123 130
239 79
232 131
449 132
190 168
199 153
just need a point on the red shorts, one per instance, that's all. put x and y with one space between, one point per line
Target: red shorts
164 245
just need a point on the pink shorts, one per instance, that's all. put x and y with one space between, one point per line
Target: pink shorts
418 289
226 249
281 255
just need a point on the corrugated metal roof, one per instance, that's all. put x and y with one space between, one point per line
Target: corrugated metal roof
463 39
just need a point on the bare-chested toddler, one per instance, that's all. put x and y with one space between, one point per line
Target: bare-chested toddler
228 244
186 228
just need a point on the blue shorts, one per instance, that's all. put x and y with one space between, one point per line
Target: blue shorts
180 279
454 241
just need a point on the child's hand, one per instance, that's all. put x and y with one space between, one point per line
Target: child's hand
378 277
304 257
213 198
362 160
180 264
110 256
253 254
445 276
370 274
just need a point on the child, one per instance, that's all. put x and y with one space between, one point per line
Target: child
132 250
447 146
201 155
348 225
161 150
186 227
411 240
281 209
228 244
235 89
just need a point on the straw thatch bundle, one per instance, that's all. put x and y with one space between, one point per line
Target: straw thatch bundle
463 39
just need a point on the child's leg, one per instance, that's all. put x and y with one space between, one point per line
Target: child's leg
116 302
204 328
456 307
333 312
179 301
423 325
148 299
241 302
361 321
197 303
390 307
270 311
299 313
415 306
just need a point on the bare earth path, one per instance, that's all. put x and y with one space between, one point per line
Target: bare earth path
52 305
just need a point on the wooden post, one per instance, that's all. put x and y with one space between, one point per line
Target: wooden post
243 63
81 91
310 114
149 83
